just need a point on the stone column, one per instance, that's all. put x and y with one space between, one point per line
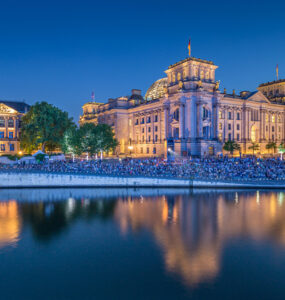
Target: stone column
181 121
166 111
234 124
6 127
199 120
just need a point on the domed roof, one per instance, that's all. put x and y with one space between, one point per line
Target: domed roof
157 89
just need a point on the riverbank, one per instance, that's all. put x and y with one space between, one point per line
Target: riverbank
54 180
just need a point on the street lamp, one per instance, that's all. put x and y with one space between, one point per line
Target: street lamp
130 149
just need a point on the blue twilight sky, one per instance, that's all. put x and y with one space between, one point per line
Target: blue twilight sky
61 51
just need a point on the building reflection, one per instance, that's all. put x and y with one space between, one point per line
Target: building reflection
193 230
10 224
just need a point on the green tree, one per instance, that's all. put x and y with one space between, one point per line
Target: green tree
44 125
271 145
71 142
231 146
88 138
254 146
105 138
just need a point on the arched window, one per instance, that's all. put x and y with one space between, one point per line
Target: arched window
205 113
176 114
10 123
2 122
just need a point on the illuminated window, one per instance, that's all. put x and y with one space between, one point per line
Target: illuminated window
266 118
11 123
220 126
173 77
220 115
254 136
220 136
273 118
202 75
2 122
178 76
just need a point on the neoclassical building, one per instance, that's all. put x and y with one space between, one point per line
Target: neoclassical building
186 113
11 113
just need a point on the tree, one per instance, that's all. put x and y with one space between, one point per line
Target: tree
44 125
105 138
254 146
231 146
88 139
271 145
71 142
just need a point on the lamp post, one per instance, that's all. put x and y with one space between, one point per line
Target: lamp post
281 150
130 149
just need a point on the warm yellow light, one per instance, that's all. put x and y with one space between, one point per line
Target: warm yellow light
20 152
131 147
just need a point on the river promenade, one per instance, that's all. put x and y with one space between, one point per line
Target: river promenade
60 180
186 173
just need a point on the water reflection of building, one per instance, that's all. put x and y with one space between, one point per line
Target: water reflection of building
10 224
193 232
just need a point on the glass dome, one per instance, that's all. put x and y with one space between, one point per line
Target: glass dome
157 89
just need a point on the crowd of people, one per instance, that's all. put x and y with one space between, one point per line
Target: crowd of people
209 168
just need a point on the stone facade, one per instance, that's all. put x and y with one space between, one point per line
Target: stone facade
11 113
186 114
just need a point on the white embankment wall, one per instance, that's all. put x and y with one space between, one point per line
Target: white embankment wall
30 180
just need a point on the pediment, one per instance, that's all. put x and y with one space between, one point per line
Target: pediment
5 109
258 97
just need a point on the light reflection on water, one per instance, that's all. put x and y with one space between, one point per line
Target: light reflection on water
9 223
191 228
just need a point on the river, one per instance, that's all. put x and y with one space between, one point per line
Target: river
142 244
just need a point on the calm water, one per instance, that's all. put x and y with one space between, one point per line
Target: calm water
142 244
